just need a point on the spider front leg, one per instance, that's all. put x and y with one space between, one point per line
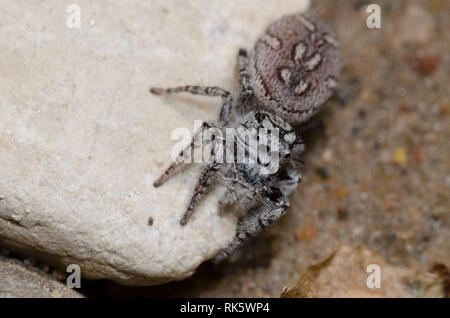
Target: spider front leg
182 156
204 182
227 99
251 224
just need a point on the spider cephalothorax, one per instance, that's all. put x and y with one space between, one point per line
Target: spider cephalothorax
285 80
262 171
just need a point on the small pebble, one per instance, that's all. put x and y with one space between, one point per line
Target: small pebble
341 193
367 96
306 232
342 214
355 131
16 217
388 205
405 108
399 156
323 173
427 65
418 155
327 155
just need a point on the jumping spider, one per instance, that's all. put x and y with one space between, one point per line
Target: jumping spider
286 78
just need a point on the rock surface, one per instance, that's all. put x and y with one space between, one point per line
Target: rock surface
82 140
344 274
20 281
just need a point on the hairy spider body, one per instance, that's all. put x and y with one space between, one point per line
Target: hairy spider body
285 79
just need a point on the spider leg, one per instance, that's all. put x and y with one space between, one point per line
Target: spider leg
230 197
251 224
183 155
227 99
247 89
205 180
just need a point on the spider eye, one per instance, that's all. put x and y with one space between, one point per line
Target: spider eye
275 195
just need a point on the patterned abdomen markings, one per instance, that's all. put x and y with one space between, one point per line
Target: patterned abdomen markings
295 67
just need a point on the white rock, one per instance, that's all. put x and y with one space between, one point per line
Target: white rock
82 140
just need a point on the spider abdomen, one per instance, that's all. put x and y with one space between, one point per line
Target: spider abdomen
294 67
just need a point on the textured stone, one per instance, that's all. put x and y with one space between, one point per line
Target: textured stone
82 140
18 280
345 274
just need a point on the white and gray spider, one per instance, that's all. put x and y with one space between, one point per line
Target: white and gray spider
286 78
